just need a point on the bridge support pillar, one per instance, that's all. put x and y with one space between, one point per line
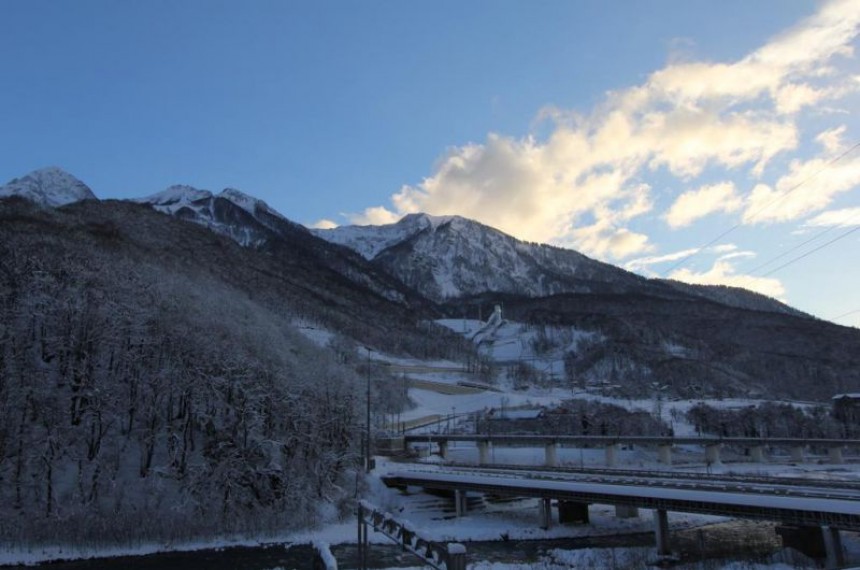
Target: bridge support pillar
571 512
626 512
545 506
665 453
456 557
835 455
833 547
712 454
661 532
551 454
443 450
483 452
757 453
815 542
460 506
611 450
797 453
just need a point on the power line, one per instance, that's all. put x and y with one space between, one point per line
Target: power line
843 315
848 221
810 252
783 196
698 249
827 165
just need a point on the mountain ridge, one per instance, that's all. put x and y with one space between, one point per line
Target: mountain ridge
438 256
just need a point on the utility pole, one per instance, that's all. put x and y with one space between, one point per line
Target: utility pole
368 460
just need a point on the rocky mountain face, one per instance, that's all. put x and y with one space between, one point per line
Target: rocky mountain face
232 213
450 258
49 187
252 223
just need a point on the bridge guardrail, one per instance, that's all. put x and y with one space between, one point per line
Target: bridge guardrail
440 555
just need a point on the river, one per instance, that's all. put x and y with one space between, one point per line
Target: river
730 540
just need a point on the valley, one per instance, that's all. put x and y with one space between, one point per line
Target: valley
201 350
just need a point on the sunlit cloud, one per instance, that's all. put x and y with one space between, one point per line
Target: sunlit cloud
695 204
737 255
324 224
603 241
724 248
722 252
376 216
809 186
643 264
843 217
584 183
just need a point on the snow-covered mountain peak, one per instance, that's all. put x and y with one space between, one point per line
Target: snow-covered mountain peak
370 241
248 203
450 256
175 197
231 212
429 221
51 186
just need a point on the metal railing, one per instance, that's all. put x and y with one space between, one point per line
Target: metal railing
440 555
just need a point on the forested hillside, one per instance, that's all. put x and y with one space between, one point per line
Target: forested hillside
152 382
692 346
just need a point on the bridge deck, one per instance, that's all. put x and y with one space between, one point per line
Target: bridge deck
788 508
633 439
771 482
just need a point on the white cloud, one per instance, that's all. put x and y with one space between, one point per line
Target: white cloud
324 224
724 252
802 51
582 184
833 140
644 263
376 216
792 97
835 218
724 248
809 186
737 255
687 141
695 204
722 272
600 240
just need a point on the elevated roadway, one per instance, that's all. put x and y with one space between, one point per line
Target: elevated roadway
711 445
751 483
798 505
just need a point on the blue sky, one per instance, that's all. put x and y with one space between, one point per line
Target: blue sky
632 131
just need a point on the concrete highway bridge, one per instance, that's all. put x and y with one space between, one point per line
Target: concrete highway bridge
808 513
755 446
